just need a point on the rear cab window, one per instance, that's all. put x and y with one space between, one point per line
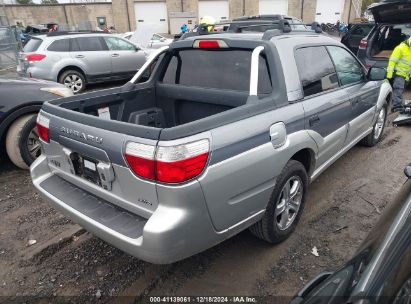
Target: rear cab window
32 45
216 69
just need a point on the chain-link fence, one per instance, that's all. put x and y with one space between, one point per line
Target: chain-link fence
9 48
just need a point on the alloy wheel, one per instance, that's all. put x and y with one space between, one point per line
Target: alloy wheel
289 202
33 144
74 82
379 125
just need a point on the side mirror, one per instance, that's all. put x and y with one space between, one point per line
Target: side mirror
162 39
377 74
407 171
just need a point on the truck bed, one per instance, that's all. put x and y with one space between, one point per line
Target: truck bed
146 111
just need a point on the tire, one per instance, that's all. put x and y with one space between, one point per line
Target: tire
21 137
377 130
271 227
74 80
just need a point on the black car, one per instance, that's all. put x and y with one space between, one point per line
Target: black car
392 26
356 32
20 101
380 272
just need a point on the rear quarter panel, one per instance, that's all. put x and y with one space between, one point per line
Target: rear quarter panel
244 165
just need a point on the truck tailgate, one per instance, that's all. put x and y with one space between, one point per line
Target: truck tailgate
93 159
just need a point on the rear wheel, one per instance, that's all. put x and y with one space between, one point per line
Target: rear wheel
22 141
285 206
378 129
74 80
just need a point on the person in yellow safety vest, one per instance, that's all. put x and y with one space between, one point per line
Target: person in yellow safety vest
208 20
399 72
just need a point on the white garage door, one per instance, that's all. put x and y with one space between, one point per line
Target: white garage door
329 11
153 14
217 9
272 7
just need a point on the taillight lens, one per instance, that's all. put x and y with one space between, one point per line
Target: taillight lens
140 158
181 163
174 164
43 125
35 57
363 44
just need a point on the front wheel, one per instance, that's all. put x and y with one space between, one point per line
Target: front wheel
378 129
22 141
285 206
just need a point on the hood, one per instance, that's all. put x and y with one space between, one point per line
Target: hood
142 35
391 11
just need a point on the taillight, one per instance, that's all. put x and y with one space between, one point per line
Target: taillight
43 125
181 163
209 44
34 57
140 158
174 164
363 44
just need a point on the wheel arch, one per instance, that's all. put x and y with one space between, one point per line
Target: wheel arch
15 114
71 67
306 156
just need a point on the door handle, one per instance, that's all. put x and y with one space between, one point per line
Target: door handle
115 55
355 101
314 120
80 56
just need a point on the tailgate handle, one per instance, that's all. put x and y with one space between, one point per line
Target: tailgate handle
67 153
106 173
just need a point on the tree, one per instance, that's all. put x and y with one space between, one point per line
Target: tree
366 3
49 2
24 1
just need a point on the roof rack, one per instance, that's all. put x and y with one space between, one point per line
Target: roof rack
278 27
63 33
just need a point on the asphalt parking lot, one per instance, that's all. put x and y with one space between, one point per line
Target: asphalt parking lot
343 205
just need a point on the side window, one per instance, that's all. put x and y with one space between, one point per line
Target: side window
348 69
90 44
116 44
61 45
316 70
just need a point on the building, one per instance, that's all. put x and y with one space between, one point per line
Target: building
167 15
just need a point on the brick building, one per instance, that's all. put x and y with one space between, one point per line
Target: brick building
167 15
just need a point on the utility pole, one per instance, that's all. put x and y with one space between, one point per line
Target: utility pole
302 10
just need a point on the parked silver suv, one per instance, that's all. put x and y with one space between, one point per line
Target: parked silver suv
77 59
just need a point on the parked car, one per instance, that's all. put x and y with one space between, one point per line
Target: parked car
356 32
216 133
392 26
33 30
20 101
380 271
155 42
296 24
78 59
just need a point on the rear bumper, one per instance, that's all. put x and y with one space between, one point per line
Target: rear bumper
34 72
178 228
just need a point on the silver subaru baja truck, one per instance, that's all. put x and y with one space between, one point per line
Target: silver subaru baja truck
215 134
